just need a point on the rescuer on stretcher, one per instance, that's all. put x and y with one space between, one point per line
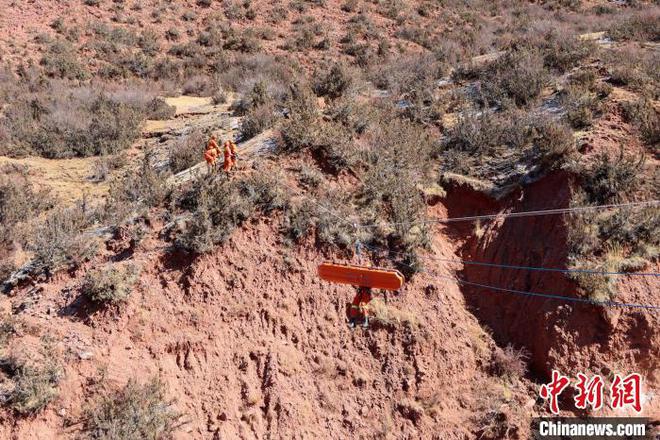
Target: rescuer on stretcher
357 310
364 278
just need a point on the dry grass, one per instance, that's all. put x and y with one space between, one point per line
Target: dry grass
111 284
132 413
389 316
30 384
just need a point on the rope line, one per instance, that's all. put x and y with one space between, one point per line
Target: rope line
554 296
523 292
519 214
530 268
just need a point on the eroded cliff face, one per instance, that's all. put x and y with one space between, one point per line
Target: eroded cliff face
251 344
560 335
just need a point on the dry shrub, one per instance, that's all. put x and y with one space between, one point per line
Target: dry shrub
643 115
30 383
111 284
335 82
614 241
19 201
61 61
635 68
497 417
60 122
187 151
140 187
509 362
638 26
299 130
134 412
387 315
219 206
58 240
257 120
488 144
325 217
610 180
517 77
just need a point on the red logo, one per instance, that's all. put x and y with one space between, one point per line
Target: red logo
552 390
589 391
627 391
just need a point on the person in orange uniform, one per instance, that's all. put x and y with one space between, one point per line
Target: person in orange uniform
357 313
230 153
211 154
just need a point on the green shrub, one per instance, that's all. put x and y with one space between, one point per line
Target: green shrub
335 82
133 413
61 61
111 284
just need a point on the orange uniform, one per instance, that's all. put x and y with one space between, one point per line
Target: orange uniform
356 312
212 151
229 157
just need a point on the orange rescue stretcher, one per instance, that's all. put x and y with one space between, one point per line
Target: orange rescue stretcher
377 278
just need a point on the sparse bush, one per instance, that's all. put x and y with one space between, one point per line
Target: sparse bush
518 76
135 412
320 218
19 202
73 122
310 177
386 315
643 115
141 187
640 26
480 145
300 129
257 120
614 241
159 109
61 61
609 179
60 241
111 284
350 5
172 34
509 362
187 151
219 206
33 382
581 107
335 82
